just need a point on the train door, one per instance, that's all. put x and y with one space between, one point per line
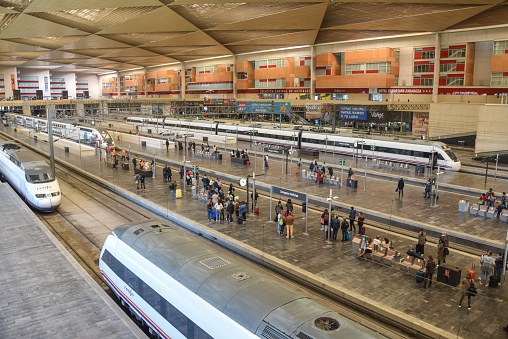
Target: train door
216 128
300 139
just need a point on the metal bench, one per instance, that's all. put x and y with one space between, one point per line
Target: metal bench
406 262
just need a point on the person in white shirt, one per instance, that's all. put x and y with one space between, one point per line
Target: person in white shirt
376 241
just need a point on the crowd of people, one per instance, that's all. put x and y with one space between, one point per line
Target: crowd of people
489 199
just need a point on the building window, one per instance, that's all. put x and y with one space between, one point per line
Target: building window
267 83
370 67
500 47
206 69
447 68
499 79
425 53
305 61
160 81
454 81
396 83
242 75
270 63
323 70
376 97
424 67
423 80
397 55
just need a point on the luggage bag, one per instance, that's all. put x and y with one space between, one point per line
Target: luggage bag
472 271
420 276
493 281
178 193
239 220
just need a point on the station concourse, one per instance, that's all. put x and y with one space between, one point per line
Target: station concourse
334 264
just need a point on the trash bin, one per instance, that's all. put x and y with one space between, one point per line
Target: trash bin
419 169
304 173
205 139
352 183
66 149
194 191
143 143
448 274
125 166
219 156
149 131
463 205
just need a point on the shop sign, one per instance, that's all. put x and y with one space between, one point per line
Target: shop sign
353 112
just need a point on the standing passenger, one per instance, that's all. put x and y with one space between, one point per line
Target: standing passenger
429 271
352 217
467 283
400 187
289 223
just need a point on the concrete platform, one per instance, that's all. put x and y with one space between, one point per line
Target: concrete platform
330 265
45 293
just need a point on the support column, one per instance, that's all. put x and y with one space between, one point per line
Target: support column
144 83
119 88
312 72
437 54
182 79
235 76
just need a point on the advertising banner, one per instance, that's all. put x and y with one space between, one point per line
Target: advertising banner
353 112
263 107
421 123
313 111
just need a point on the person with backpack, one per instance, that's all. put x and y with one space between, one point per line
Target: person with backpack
237 208
230 209
281 222
142 181
344 226
499 262
165 173
205 181
172 187
352 216
169 174
325 217
467 289
243 210
209 209
335 226
289 223
136 178
487 263
289 207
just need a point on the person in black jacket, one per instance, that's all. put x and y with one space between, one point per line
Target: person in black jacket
400 187
344 226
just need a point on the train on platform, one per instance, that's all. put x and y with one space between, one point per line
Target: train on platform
183 288
88 135
413 152
31 176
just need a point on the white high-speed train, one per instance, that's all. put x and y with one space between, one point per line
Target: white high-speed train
182 288
89 135
414 152
31 176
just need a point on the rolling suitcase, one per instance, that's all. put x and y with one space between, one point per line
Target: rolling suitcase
178 193
363 230
348 235
493 281
420 276
239 221
472 271
256 209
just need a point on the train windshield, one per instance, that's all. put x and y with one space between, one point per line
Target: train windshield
106 137
39 175
452 155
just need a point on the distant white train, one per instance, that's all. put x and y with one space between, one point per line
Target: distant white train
414 152
182 288
89 135
31 176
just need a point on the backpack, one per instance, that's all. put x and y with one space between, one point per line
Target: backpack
336 223
172 186
243 209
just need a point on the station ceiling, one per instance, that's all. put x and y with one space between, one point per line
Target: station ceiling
96 36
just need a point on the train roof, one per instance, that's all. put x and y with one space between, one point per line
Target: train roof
28 159
250 298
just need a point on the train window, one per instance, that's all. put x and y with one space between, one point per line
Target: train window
176 318
439 156
418 154
405 152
